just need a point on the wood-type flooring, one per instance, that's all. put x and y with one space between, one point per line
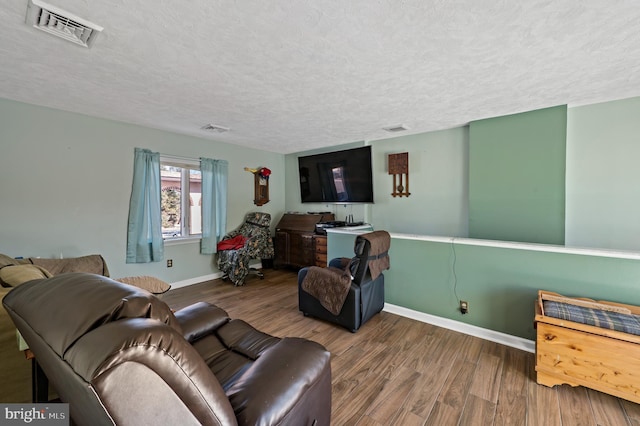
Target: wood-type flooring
398 371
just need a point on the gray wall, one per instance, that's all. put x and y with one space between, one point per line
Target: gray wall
65 183
438 164
438 183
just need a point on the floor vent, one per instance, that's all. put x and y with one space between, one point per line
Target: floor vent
215 128
61 23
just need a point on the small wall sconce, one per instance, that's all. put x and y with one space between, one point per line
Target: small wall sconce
399 167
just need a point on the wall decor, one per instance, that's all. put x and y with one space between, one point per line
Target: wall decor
399 168
260 185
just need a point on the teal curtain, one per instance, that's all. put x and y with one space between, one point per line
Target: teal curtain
215 174
144 233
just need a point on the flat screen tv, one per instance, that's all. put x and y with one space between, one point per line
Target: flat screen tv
337 177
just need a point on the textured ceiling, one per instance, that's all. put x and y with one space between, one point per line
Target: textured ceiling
288 76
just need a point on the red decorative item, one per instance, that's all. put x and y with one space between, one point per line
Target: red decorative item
265 172
261 184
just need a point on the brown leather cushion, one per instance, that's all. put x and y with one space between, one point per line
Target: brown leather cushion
93 264
104 301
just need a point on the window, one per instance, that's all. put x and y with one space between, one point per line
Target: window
180 199
187 199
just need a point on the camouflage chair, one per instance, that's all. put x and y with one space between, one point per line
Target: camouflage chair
234 263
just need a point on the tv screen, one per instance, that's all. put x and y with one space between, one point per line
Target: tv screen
337 177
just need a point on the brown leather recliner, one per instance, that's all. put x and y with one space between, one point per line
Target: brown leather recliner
118 355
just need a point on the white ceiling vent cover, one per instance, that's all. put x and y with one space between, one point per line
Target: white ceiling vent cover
396 128
215 128
61 23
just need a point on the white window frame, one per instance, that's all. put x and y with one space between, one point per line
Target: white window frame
184 164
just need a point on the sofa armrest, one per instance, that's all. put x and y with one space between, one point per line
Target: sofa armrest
241 337
292 376
200 319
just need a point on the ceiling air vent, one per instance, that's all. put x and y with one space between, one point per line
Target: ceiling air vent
398 128
215 128
61 23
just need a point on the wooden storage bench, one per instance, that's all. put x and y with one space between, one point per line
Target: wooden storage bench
584 351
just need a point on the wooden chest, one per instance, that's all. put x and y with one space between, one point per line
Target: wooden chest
584 355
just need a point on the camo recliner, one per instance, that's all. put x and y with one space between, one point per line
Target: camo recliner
256 244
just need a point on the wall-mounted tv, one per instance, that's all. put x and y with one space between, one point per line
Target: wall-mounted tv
337 177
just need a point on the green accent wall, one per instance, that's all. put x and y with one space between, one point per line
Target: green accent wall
603 177
500 284
517 177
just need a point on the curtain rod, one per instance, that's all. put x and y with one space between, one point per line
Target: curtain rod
178 157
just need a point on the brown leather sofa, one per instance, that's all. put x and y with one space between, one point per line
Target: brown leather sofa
118 355
15 370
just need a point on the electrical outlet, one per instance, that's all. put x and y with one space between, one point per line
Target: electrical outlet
464 307
169 263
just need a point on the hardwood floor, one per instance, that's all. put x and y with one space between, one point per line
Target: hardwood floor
397 371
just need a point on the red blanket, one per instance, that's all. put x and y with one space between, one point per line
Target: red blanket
234 243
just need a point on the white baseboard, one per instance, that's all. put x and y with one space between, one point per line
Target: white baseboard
197 280
483 333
